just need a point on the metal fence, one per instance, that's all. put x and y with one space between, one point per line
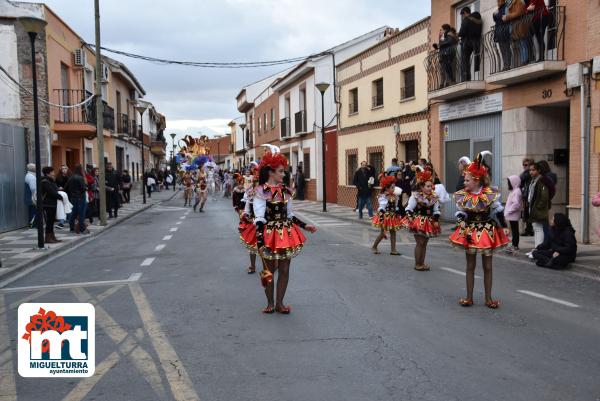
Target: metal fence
528 39
453 65
13 212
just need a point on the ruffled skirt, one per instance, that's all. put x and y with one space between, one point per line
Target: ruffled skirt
479 236
389 222
283 240
425 226
248 235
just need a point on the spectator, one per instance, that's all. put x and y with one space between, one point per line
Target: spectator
502 35
470 41
512 211
29 193
525 179
126 186
299 179
423 163
62 177
462 164
550 180
560 247
113 183
92 192
364 182
539 23
50 196
391 170
168 180
539 200
150 183
519 29
76 188
448 39
596 203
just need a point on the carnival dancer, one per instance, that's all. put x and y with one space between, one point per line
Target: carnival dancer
388 216
187 182
200 194
479 217
278 234
242 204
423 215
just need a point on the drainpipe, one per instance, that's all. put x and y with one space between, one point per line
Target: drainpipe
585 150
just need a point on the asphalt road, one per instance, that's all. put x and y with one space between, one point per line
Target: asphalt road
363 327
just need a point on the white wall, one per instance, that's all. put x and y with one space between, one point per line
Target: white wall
10 104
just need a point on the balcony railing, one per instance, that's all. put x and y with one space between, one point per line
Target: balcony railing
453 65
407 92
285 127
377 101
133 131
123 124
300 122
526 40
85 114
352 108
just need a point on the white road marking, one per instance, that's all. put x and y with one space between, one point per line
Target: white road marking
159 247
457 272
182 218
173 229
167 237
407 257
178 223
132 278
147 262
547 298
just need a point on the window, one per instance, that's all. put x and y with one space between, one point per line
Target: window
306 165
351 166
266 124
376 160
88 156
258 130
353 101
408 84
272 118
377 89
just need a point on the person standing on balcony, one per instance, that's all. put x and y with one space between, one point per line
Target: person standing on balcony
448 40
539 23
519 29
502 34
470 41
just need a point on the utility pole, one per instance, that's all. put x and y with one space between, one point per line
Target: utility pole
99 118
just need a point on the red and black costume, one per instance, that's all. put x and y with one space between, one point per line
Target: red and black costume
423 211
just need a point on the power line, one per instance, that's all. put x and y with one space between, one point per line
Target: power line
201 64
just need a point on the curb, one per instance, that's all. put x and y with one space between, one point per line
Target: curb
74 244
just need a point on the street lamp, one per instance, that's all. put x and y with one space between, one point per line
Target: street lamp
141 107
34 27
173 163
322 87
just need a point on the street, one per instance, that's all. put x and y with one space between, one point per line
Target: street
178 318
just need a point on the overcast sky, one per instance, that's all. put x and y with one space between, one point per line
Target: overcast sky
195 99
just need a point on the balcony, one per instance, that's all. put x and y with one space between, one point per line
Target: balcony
522 50
123 124
300 122
157 148
454 71
285 127
79 120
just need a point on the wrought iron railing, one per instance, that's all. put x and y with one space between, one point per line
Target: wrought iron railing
300 122
529 39
377 100
123 124
407 92
352 108
85 114
285 127
453 65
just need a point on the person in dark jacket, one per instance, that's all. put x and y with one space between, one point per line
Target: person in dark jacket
447 54
502 35
113 184
62 177
560 248
470 41
76 188
50 196
364 181
126 185
299 181
525 179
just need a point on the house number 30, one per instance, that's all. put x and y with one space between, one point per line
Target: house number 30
546 93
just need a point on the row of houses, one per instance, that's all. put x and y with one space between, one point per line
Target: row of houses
518 88
66 76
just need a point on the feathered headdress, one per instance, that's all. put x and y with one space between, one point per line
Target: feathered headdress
273 158
423 175
387 181
478 168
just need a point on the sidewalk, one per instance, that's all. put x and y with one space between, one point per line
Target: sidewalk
18 248
588 256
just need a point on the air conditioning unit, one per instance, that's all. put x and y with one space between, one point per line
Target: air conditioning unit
79 57
105 72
